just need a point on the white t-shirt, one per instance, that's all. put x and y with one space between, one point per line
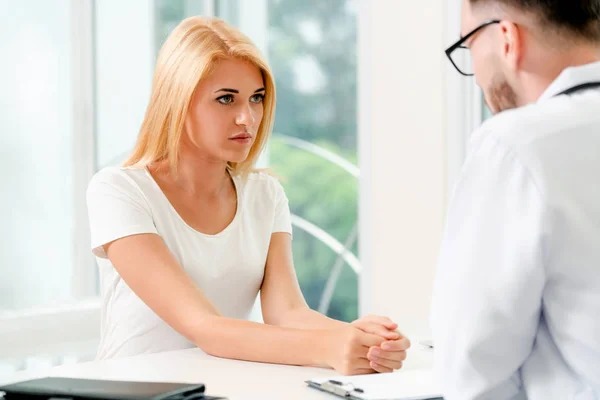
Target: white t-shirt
228 267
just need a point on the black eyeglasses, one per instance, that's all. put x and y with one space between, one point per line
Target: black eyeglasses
462 60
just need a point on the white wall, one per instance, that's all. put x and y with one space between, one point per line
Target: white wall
403 156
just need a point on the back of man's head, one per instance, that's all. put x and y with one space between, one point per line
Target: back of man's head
526 44
572 19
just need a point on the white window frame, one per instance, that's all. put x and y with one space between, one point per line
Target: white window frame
50 332
84 278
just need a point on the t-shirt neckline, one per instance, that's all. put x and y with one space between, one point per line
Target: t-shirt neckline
225 230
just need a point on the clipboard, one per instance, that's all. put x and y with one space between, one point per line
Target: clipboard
401 385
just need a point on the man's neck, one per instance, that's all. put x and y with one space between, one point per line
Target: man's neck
550 67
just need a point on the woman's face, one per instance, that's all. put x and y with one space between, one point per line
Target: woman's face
226 111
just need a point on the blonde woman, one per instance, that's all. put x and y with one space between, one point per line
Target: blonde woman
187 234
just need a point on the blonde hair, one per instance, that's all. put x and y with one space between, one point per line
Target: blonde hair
188 56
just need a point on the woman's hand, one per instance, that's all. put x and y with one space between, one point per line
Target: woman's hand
388 356
347 349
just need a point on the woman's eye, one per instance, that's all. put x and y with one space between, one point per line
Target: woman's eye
227 99
257 98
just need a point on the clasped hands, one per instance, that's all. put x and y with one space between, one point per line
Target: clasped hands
368 345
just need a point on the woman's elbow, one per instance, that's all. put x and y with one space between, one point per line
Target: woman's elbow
208 334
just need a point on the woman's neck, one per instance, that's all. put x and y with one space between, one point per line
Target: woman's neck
196 175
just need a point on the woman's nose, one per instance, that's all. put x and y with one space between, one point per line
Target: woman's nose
245 116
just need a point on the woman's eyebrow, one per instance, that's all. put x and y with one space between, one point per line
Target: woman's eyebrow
227 90
237 91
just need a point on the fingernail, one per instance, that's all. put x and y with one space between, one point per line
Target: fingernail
375 352
386 346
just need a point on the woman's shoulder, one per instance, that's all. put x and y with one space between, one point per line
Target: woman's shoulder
263 182
119 178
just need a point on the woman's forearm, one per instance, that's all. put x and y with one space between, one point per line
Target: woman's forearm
305 318
251 341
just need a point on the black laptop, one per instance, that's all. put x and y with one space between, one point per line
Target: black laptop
82 389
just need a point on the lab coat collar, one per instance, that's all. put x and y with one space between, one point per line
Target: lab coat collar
572 76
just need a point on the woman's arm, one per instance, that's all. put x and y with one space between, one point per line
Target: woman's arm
151 271
282 301
283 305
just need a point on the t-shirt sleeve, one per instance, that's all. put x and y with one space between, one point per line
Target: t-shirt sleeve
116 208
282 221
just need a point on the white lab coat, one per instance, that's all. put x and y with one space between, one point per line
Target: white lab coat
516 305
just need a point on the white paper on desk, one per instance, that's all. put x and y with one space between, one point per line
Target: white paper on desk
402 385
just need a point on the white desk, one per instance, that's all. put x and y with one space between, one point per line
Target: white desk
236 380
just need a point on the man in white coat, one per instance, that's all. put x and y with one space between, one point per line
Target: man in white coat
516 306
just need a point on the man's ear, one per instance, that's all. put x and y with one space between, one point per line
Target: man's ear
512 43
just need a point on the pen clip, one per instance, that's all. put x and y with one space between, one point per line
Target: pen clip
343 385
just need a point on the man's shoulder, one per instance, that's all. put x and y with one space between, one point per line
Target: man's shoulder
523 129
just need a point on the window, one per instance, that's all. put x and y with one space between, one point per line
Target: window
35 119
44 268
312 50
485 113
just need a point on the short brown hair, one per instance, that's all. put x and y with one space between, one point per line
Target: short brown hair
577 18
